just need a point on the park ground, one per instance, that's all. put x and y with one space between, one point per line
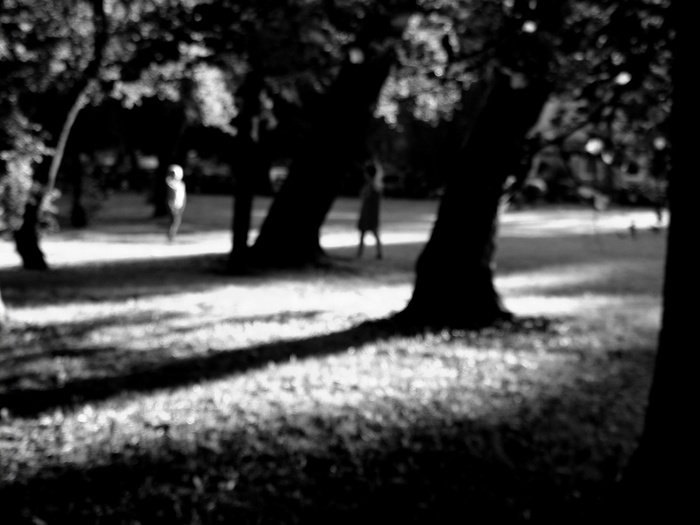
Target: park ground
141 384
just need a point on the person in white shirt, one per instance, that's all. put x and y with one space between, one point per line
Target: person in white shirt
176 197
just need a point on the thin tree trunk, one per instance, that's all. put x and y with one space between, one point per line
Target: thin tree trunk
78 215
3 312
290 233
27 237
658 485
249 162
242 210
247 172
454 274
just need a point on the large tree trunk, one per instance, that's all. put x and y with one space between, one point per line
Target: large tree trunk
659 484
290 233
454 274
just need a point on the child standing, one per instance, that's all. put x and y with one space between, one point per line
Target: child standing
370 196
176 196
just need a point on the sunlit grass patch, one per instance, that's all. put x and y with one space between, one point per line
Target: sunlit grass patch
432 416
163 391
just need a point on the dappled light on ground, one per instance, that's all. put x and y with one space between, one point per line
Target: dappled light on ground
163 391
124 232
438 418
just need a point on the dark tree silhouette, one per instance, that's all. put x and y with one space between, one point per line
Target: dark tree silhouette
659 484
454 273
27 236
3 312
336 139
290 233
249 165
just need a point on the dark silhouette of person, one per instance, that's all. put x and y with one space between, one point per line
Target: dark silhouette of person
370 197
176 198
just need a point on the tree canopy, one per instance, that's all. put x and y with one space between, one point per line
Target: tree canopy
607 60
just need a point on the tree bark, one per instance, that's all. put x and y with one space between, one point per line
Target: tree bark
27 237
658 484
3 312
248 168
454 273
290 233
78 214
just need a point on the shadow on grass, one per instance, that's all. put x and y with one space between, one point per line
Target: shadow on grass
531 465
138 278
162 370
113 280
126 279
66 337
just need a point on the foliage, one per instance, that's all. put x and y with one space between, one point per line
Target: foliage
608 65
614 59
45 47
21 149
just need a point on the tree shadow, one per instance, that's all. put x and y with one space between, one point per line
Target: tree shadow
63 333
66 335
163 370
126 279
503 467
113 280
28 394
198 273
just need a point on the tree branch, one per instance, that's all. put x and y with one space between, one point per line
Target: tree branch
81 90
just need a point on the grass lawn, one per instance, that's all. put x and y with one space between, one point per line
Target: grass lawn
139 384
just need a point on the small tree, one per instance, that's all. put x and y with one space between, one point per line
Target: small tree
42 74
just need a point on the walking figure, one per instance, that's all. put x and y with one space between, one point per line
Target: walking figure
370 196
176 197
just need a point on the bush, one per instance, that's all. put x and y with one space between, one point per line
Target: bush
17 186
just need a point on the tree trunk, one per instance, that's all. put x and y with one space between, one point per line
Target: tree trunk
3 312
78 215
658 483
27 237
454 274
248 167
242 211
290 233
